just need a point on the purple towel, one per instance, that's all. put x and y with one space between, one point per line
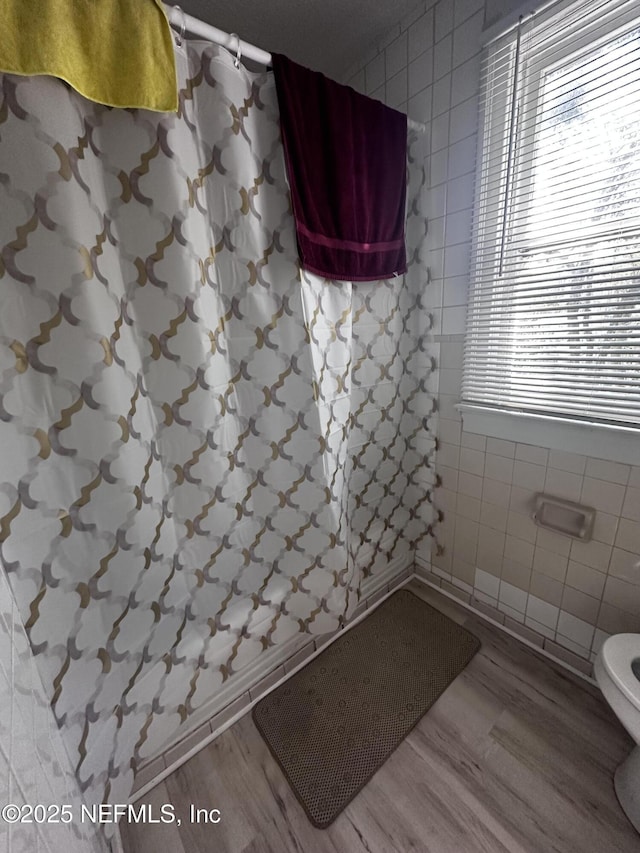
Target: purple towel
346 163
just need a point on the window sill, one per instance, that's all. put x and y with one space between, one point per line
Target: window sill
616 444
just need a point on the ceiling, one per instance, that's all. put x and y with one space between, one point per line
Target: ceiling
326 35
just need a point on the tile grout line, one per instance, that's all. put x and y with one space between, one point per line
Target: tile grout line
508 631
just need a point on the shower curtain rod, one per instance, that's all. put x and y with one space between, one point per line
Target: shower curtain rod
183 22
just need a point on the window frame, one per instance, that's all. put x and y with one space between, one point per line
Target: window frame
613 441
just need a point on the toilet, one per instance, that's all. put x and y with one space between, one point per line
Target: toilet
617 671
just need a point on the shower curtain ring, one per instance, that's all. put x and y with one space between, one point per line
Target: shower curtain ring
236 61
183 26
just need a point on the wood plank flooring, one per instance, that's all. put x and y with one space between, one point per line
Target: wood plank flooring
517 755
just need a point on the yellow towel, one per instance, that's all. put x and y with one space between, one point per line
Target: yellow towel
115 52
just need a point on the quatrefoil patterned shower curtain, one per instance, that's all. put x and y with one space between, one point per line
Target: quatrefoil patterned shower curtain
204 451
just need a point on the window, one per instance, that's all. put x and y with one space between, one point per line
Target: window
554 312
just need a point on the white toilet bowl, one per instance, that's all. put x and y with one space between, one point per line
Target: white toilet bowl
621 688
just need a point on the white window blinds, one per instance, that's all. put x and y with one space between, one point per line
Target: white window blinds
554 314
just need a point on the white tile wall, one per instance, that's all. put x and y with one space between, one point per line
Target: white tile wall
469 439
486 599
396 56
605 527
562 461
493 517
611 472
496 493
598 640
600 580
530 476
515 598
521 526
549 563
562 484
575 629
628 536
554 542
534 455
511 612
472 461
470 484
487 584
542 612
540 628
499 468
501 447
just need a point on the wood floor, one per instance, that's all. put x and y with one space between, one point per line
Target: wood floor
516 755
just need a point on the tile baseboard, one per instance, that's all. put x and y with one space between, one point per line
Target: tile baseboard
527 636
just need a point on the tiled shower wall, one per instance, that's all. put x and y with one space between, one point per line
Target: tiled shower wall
560 593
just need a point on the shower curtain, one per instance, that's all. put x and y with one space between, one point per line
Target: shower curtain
204 451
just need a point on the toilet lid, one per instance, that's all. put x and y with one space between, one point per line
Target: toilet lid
617 653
